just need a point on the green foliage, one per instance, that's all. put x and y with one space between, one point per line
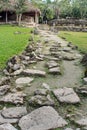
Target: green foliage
20 6
61 8
77 38
12 41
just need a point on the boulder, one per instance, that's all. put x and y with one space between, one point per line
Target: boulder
7 126
4 89
14 112
24 80
66 95
43 118
34 72
14 98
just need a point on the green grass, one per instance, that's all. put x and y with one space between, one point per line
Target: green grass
12 43
77 38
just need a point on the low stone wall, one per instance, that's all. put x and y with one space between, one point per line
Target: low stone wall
75 22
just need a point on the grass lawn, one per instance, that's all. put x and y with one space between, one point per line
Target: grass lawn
77 38
11 42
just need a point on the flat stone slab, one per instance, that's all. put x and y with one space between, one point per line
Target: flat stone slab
4 81
44 118
4 89
67 49
69 56
7 126
68 129
41 92
14 112
51 64
82 122
17 72
34 72
45 86
41 101
14 98
82 90
55 70
6 120
24 80
66 95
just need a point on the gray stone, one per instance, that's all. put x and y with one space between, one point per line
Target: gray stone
41 100
4 81
66 95
7 126
51 58
46 86
14 98
20 87
83 89
68 129
78 56
6 120
4 89
55 70
67 49
69 57
34 72
10 64
14 112
44 118
85 128
82 122
26 58
41 92
16 67
52 64
6 72
24 80
85 80
17 72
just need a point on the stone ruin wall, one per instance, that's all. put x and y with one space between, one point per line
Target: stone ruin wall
69 24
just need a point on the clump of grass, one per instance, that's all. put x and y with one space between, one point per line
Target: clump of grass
13 40
77 38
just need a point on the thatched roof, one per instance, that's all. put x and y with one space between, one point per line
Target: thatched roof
11 6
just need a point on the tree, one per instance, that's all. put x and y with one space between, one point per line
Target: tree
20 6
5 4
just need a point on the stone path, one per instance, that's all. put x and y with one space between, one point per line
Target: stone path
41 88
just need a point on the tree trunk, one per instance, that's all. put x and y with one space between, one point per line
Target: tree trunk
6 17
17 18
19 21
